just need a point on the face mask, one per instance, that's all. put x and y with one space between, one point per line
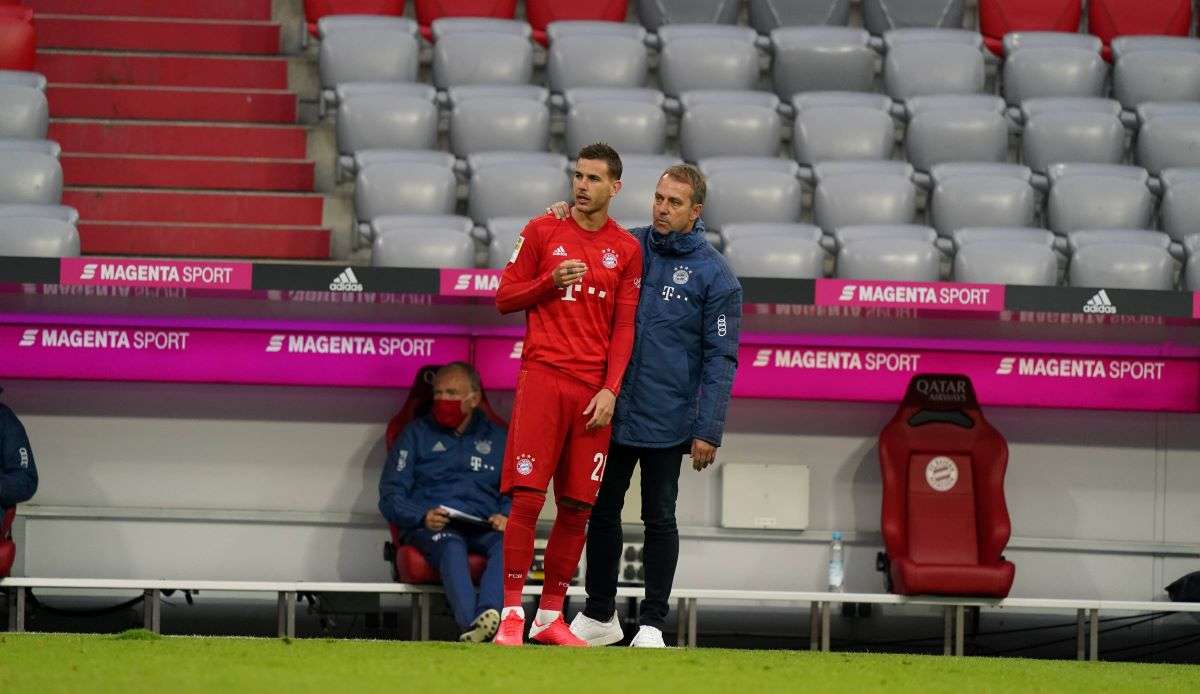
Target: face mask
449 413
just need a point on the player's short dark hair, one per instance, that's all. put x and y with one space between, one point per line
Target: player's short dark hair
686 173
465 369
600 151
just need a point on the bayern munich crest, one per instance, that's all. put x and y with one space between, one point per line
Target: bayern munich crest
682 275
608 257
524 464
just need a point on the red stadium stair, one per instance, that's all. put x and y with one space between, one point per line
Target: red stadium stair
179 129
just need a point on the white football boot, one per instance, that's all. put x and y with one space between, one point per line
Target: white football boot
597 633
648 637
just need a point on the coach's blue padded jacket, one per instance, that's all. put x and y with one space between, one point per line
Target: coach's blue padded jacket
431 466
677 385
18 474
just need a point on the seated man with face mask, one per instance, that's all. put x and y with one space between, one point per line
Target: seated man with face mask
441 487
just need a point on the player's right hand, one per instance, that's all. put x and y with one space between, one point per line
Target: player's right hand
560 210
569 272
436 519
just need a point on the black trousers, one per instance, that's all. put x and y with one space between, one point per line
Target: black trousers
660 490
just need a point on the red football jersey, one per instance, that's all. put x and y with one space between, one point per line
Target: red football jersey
586 329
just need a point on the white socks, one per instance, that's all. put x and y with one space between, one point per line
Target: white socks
519 611
545 617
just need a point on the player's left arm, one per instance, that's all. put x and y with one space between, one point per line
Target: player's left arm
718 364
620 343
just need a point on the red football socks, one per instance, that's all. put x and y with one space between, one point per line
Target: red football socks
518 542
562 554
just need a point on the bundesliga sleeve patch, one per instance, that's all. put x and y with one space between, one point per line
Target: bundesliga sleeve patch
517 249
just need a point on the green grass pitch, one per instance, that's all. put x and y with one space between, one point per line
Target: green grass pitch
141 662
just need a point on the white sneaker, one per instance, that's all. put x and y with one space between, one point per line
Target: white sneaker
595 632
648 637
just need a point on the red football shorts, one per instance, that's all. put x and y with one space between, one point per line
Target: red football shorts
548 437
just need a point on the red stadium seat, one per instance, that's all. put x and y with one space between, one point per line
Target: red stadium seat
945 523
315 9
1109 19
998 17
18 45
408 564
8 548
542 12
429 10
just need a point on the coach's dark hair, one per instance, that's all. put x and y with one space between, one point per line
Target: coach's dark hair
602 152
467 370
686 173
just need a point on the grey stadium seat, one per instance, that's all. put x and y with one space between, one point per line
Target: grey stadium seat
1034 72
579 95
1071 130
808 59
595 60
900 260
1124 45
733 232
982 200
746 195
1122 266
639 180
1141 237
465 93
857 232
919 69
509 188
956 128
482 58
825 133
428 247
24 112
807 100
1156 75
784 256
499 124
880 16
559 29
446 26
41 146
712 165
43 237
503 233
405 187
634 126
1099 197
29 177
60 212
481 160
829 169
896 37
718 123
368 53
768 15
655 13
1014 41
1169 140
864 197
452 223
969 235
20 78
380 116
336 22
1179 214
707 57
1007 262
366 157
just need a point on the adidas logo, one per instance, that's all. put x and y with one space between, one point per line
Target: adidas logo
439 447
346 282
1099 303
560 251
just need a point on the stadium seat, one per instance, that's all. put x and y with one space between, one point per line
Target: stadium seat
789 256
446 26
999 17
655 13
966 37
1071 130
895 259
18 40
966 236
707 56
41 146
367 232
740 190
810 59
944 519
872 194
926 68
8 548
1037 71
955 128
480 57
28 177
1191 273
729 123
858 232
768 15
385 116
629 120
734 232
558 30
333 23
420 246
1179 213
1122 266
880 16
405 187
1007 262
1156 75
23 78
1139 237
24 112
596 60
542 13
1168 139
59 212
384 52
503 186
429 11
1004 197
1020 40
499 123
502 234
1098 197
1123 45
38 236
316 10
1109 19
639 180
842 125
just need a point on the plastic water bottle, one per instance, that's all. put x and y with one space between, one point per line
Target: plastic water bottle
837 566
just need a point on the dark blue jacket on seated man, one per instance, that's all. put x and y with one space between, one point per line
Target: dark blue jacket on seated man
445 464
18 473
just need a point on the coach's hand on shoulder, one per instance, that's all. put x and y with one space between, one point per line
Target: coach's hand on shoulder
569 272
703 454
436 519
498 521
601 408
560 210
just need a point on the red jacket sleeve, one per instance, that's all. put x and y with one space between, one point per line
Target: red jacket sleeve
620 345
521 286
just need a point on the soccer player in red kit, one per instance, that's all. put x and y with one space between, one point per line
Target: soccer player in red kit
578 280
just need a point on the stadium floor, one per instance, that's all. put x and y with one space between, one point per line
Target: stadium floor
138 661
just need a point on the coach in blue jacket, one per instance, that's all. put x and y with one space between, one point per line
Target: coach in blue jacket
449 461
673 401
18 473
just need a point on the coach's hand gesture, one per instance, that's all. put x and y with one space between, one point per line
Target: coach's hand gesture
703 454
601 408
569 272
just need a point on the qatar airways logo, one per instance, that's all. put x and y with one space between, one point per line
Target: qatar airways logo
1092 369
351 345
